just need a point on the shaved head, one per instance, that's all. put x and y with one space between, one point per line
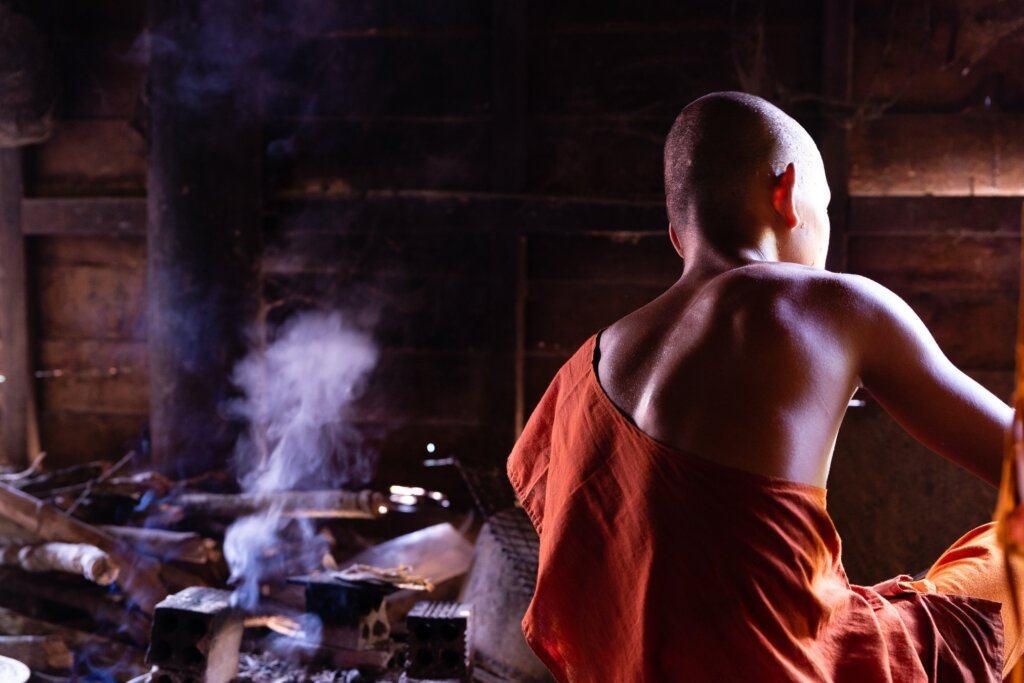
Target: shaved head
719 148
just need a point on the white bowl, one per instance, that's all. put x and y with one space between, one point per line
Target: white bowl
13 671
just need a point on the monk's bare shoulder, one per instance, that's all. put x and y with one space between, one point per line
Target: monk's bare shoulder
838 297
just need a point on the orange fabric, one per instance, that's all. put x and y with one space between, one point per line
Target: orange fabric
657 565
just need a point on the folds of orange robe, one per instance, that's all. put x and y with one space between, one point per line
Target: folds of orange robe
658 565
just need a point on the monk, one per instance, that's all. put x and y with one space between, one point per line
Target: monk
676 467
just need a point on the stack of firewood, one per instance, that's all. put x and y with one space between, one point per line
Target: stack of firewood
86 552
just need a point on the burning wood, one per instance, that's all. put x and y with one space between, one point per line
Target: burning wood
182 546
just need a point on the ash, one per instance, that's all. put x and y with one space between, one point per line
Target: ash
267 668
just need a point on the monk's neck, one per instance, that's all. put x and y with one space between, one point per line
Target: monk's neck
704 262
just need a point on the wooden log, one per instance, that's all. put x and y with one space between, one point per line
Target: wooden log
46 653
70 558
102 606
183 546
55 479
320 504
140 577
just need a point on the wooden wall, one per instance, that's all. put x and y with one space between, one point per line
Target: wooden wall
485 185
86 255
935 209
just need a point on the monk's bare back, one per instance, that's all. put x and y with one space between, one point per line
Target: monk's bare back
750 359
753 367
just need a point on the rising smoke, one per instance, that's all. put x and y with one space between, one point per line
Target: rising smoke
298 394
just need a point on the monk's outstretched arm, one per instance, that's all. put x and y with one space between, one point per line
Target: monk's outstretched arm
904 369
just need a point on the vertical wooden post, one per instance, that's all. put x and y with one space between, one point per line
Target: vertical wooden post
837 62
16 389
509 45
204 210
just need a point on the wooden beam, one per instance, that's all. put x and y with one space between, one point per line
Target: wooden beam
103 216
16 390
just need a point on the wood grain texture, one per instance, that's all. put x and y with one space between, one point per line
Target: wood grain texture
938 154
101 216
89 157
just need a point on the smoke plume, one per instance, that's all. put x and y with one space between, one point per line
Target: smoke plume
297 398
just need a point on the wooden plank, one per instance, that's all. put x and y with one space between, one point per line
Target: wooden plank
114 253
424 312
976 329
937 261
423 385
929 215
937 154
374 17
616 157
70 438
633 257
326 156
614 15
382 252
109 377
84 216
15 363
430 211
89 157
932 58
91 302
649 72
560 315
424 76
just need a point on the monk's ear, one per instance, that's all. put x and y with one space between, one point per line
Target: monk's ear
674 236
784 196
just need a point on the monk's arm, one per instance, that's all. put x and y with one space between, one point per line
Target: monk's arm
904 369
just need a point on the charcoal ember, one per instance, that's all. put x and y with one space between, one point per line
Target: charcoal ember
196 635
440 643
29 85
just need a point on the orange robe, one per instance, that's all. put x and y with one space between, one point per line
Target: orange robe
658 565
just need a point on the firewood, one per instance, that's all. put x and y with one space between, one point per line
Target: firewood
140 577
48 653
183 546
99 650
321 504
68 594
70 558
55 479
